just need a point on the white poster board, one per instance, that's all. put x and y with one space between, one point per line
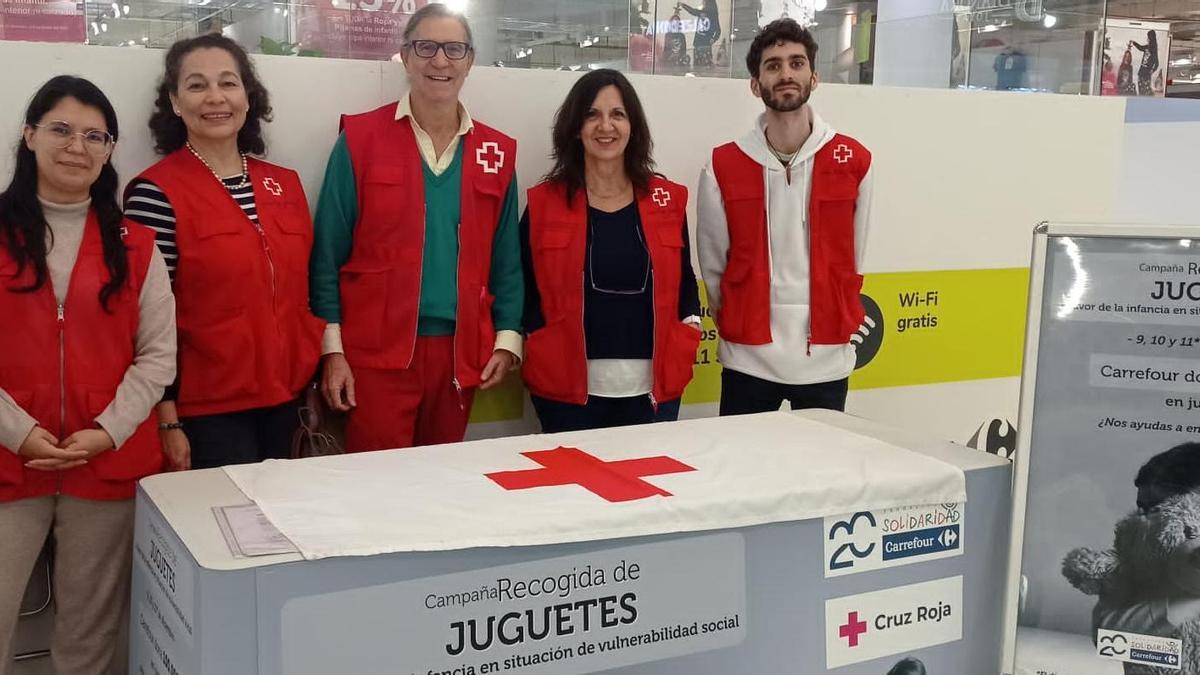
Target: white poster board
1110 390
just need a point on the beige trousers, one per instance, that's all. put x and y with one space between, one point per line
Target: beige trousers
92 558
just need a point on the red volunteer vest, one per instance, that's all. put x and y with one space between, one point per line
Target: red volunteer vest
247 338
834 282
64 369
381 282
556 356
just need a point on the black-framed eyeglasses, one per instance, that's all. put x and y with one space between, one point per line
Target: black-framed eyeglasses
617 291
427 49
96 141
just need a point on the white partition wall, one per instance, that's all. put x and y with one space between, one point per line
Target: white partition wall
961 179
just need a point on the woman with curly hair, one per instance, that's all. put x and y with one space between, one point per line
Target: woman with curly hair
236 233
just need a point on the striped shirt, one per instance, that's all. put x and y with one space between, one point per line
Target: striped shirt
148 205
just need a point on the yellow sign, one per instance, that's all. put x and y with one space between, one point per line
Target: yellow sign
938 326
946 326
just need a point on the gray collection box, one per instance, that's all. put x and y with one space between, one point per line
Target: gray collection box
866 593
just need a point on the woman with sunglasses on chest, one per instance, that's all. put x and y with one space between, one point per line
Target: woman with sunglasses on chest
87 348
236 233
612 308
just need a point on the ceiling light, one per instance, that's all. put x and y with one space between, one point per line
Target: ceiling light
820 5
457 6
1049 21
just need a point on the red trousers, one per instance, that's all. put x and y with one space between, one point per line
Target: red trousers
416 406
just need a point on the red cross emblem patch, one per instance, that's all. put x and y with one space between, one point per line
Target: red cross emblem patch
661 196
842 153
490 157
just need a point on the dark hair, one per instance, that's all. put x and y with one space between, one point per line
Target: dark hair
434 10
1171 472
21 217
568 147
908 666
777 32
168 129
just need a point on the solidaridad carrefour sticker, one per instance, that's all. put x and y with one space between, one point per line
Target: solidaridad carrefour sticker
875 540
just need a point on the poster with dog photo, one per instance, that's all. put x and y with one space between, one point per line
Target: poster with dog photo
1134 57
1109 580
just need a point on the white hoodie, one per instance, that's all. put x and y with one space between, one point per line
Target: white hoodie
784 359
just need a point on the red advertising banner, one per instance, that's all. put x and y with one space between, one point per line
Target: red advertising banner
355 29
42 21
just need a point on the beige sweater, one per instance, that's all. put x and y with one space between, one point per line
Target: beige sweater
153 366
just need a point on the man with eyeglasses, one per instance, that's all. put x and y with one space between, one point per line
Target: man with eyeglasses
416 257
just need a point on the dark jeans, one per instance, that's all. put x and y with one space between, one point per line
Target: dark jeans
242 437
742 394
600 412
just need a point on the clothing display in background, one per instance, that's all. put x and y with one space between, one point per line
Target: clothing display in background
708 30
1010 69
675 44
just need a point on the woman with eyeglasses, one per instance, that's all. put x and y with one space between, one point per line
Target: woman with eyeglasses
87 349
236 234
611 307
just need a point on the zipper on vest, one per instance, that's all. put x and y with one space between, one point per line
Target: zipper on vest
653 314
412 351
808 223
262 236
62 384
462 405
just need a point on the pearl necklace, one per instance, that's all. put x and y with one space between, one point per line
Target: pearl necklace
245 169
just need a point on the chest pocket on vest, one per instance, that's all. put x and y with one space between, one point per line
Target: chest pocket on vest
836 205
486 207
745 211
387 194
555 263
290 254
227 252
668 232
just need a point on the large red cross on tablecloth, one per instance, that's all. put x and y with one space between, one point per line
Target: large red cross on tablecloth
618 481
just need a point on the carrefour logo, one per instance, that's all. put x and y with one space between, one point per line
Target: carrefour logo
921 542
892 621
871 540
